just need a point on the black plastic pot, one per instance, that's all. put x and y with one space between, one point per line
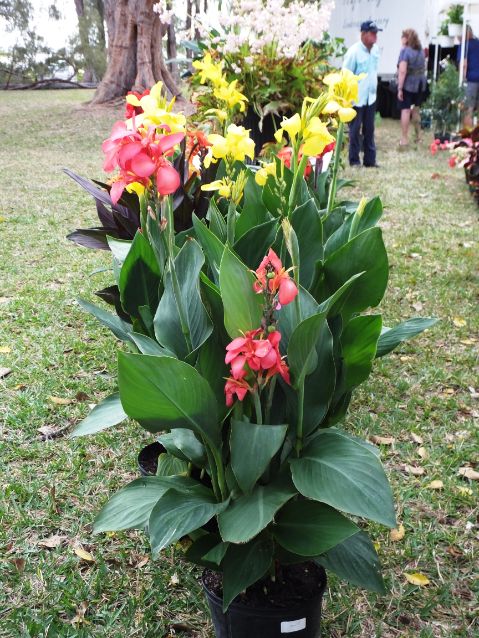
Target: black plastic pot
271 123
148 458
240 621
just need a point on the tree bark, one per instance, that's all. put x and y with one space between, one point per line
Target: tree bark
136 61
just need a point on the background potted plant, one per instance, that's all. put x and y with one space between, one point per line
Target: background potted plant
445 102
444 39
246 339
455 17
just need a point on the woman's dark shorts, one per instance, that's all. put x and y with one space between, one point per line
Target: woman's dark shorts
411 99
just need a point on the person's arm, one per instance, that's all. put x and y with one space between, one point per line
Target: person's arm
402 72
350 61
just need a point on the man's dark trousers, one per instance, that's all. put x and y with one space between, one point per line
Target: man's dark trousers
365 120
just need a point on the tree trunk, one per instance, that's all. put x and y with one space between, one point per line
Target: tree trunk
171 45
136 59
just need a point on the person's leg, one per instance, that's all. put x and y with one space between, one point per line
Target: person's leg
354 129
405 119
468 118
368 133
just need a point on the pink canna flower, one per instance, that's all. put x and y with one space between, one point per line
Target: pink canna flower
238 387
273 278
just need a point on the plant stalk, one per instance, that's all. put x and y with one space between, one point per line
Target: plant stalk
230 223
257 407
293 195
299 425
334 176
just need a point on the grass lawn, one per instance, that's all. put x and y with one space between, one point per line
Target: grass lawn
423 397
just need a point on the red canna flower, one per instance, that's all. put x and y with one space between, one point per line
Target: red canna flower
273 278
238 387
130 110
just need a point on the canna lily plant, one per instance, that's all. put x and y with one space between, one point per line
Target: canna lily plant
245 337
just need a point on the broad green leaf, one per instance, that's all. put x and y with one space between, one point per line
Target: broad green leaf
163 393
337 470
252 448
254 212
247 516
367 217
212 246
211 365
355 560
140 278
119 248
255 243
308 227
216 554
308 528
243 565
217 222
333 304
288 318
391 337
179 513
169 465
320 384
302 358
168 330
242 306
120 328
183 444
200 547
131 506
364 253
358 343
333 221
147 345
339 237
104 415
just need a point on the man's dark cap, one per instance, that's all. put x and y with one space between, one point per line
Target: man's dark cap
370 25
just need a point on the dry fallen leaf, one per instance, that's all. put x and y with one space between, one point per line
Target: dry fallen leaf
417 579
397 534
5 299
417 306
416 438
80 614
174 580
4 372
382 440
414 469
435 485
19 564
142 562
469 473
19 386
454 551
467 342
422 452
465 491
48 432
84 555
459 322
52 541
5 349
60 400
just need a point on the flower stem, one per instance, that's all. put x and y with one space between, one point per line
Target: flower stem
230 223
269 401
257 407
293 195
334 176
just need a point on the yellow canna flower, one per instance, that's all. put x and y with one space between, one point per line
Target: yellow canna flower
291 125
262 174
210 71
231 96
316 137
219 113
343 88
223 186
236 146
157 111
346 114
135 187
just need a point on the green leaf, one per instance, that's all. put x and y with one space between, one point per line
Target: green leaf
358 343
302 358
308 528
200 547
247 516
183 444
120 328
217 222
216 554
131 506
243 307
309 231
168 330
337 470
179 513
104 415
212 246
367 218
288 317
364 253
243 565
255 243
254 212
140 278
252 448
147 345
355 560
119 248
333 305
391 337
163 393
169 465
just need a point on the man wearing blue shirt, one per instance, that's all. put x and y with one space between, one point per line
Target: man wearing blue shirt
471 73
363 57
